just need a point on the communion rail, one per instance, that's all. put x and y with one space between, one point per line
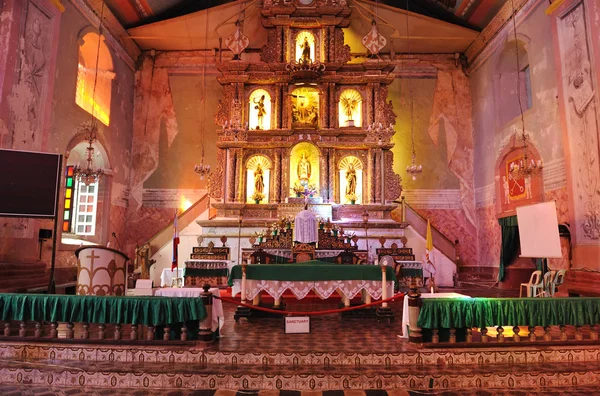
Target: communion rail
42 317
510 321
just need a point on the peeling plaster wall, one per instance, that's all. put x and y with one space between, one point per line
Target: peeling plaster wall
542 123
59 118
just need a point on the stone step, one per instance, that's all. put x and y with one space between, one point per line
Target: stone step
175 375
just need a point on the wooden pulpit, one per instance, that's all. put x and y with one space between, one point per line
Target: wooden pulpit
100 271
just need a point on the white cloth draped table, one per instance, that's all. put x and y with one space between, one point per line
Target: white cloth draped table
166 278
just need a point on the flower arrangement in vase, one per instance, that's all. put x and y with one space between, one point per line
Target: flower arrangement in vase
352 198
257 197
260 235
298 189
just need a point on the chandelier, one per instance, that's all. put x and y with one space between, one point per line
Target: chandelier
413 169
89 175
524 168
203 170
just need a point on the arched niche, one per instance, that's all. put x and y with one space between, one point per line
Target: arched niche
304 167
350 108
305 108
304 38
511 85
94 58
259 110
258 179
351 180
512 192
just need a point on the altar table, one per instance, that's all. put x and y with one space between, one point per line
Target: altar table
405 320
321 277
218 318
166 278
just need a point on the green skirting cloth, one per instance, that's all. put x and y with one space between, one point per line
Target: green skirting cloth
310 271
206 272
96 309
489 312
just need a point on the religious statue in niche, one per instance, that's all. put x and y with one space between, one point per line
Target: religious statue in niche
351 182
305 108
259 184
350 107
257 177
305 58
260 110
304 168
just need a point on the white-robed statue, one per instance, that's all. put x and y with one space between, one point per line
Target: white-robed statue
306 227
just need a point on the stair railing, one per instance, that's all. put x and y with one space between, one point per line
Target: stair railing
419 224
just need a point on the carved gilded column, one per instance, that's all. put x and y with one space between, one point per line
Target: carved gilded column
276 175
285 174
323 179
370 178
239 172
229 175
278 105
332 44
326 44
287 56
285 105
377 175
370 104
332 172
382 176
280 41
333 120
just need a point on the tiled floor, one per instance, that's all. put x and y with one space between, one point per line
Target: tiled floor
23 390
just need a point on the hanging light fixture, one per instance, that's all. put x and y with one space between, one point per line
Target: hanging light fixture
89 175
203 170
526 167
413 169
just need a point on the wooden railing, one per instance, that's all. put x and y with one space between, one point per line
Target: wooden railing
47 318
419 224
509 321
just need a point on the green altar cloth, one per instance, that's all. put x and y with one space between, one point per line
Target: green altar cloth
97 309
206 272
490 312
311 271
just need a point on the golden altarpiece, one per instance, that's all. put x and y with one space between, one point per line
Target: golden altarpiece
304 121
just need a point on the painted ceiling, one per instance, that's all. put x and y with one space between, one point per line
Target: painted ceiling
473 14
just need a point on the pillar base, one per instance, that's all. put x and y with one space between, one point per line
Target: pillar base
385 313
206 335
357 313
242 312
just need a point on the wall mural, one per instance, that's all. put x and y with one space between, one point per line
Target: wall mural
582 122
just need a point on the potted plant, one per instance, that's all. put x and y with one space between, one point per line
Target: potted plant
257 197
335 229
260 236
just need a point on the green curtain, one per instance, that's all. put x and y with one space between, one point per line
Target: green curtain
510 243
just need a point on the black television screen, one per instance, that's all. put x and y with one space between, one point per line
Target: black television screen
28 183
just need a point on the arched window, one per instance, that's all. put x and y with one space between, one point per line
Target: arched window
94 54
506 93
83 204
350 108
259 112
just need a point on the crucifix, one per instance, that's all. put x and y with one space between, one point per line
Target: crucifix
92 257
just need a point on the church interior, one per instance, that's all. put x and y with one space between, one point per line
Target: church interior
299 196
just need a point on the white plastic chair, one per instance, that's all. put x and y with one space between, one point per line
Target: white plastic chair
558 280
547 284
535 283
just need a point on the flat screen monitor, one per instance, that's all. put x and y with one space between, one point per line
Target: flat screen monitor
28 183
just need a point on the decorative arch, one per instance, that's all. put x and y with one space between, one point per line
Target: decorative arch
258 179
351 180
350 108
94 55
259 110
300 43
511 193
304 167
505 81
